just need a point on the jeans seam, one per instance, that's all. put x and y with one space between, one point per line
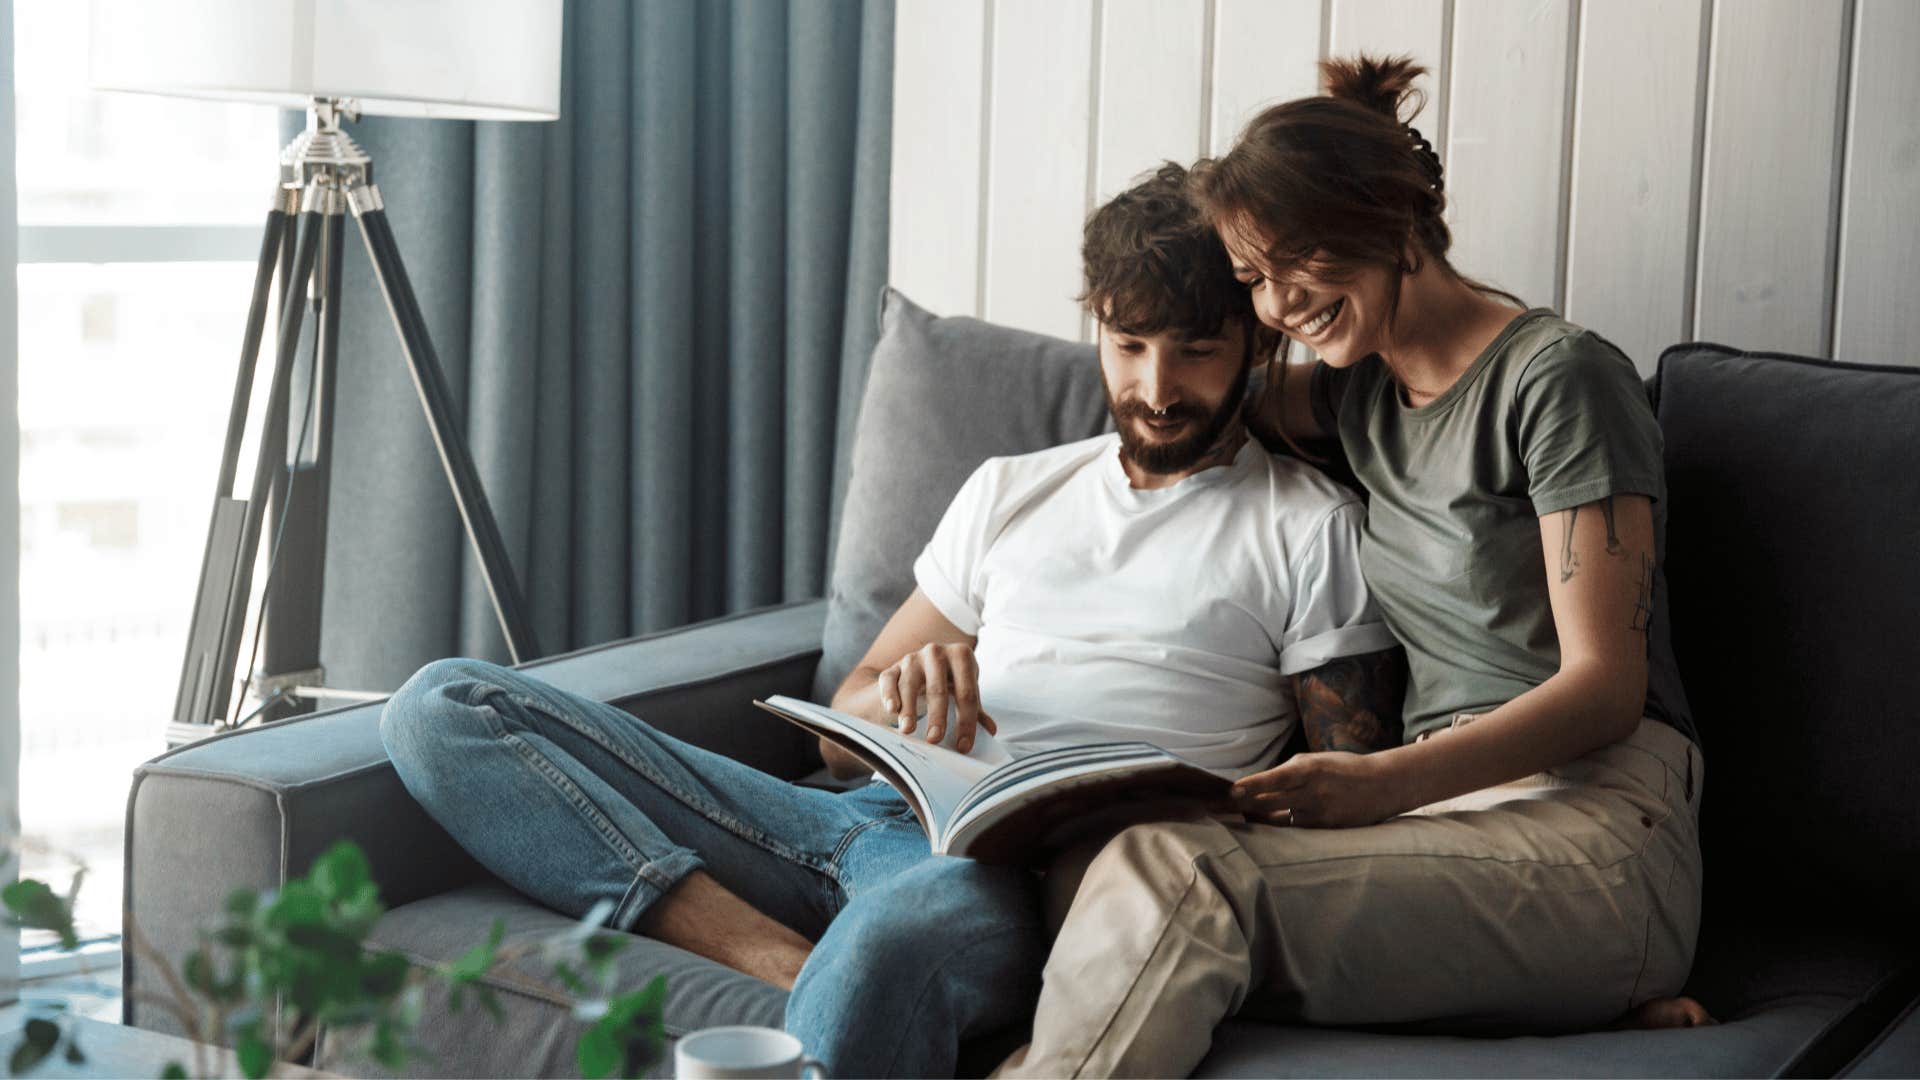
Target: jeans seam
609 833
711 813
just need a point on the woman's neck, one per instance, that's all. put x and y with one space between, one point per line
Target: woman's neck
1443 325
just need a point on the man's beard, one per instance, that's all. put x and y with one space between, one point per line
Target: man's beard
1161 457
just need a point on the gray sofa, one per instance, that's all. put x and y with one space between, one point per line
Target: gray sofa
1794 519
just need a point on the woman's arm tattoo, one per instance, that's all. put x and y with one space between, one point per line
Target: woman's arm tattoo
1353 703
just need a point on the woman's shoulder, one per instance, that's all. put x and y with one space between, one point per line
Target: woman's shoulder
1547 351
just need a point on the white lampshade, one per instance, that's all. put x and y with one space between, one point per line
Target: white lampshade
454 59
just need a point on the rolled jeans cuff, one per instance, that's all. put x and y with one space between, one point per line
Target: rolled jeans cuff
652 882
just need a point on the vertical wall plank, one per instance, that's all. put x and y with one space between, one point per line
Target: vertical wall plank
1396 27
1878 321
1768 186
1505 132
933 245
1264 51
1630 233
1151 77
1037 165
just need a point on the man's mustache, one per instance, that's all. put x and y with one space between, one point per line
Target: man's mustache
1137 410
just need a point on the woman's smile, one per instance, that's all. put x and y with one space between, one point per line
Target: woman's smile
1317 327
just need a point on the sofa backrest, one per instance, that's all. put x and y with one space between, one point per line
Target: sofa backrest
1793 569
942 396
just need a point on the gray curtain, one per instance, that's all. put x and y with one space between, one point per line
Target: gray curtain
656 313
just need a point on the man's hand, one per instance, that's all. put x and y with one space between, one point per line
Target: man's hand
926 680
1330 790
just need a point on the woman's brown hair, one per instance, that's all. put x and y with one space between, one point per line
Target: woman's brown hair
1339 179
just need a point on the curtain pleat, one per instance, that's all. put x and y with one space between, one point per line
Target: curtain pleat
656 313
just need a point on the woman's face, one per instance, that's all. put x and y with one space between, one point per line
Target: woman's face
1337 312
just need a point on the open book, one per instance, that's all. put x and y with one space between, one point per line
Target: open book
990 806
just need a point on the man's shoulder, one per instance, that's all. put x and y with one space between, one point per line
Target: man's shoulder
1300 492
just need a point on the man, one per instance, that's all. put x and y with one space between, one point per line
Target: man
1172 582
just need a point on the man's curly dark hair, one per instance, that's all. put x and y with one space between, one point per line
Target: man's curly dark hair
1154 265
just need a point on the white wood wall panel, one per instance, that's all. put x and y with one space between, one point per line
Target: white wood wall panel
1152 78
1630 232
1264 52
1735 170
1766 209
1506 134
1415 28
933 243
1878 320
1038 161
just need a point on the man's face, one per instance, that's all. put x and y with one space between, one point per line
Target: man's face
1172 395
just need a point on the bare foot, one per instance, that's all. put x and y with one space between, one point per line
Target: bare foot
1673 1012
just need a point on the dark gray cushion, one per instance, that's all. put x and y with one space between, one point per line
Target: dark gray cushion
1777 989
1794 523
943 395
1895 1053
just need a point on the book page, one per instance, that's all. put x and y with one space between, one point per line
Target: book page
944 776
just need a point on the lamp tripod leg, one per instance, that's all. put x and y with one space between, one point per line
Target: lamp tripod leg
264 465
199 697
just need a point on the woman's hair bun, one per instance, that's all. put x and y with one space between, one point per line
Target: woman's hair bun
1380 83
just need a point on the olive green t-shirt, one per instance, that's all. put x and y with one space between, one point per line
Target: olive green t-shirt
1549 416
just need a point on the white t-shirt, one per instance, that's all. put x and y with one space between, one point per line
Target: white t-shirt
1105 613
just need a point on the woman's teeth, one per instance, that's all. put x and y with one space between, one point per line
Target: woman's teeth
1320 322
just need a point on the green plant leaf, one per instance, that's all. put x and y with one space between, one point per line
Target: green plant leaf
198 971
598 1052
38 1039
490 1001
478 960
174 1071
384 974
600 950
242 901
299 904
256 1057
35 906
342 872
569 978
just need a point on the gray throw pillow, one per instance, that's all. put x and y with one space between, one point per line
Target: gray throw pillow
943 395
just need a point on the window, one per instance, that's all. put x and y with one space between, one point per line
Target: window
139 222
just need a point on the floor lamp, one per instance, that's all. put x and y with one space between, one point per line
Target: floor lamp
338 59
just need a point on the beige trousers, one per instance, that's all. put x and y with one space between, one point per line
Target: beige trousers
1556 902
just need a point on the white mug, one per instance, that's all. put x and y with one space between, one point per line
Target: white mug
743 1053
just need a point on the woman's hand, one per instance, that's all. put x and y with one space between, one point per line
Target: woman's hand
1328 790
925 680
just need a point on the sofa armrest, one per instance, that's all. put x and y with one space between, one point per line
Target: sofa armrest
257 806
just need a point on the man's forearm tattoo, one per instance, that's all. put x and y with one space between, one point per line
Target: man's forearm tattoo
1353 703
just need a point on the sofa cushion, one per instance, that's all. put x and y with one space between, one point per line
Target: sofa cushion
943 395
537 1036
1794 522
1778 990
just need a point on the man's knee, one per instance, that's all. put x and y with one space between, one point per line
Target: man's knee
428 705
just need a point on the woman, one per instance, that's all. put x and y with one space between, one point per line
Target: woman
1528 859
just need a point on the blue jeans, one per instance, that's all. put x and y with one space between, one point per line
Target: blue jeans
572 800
